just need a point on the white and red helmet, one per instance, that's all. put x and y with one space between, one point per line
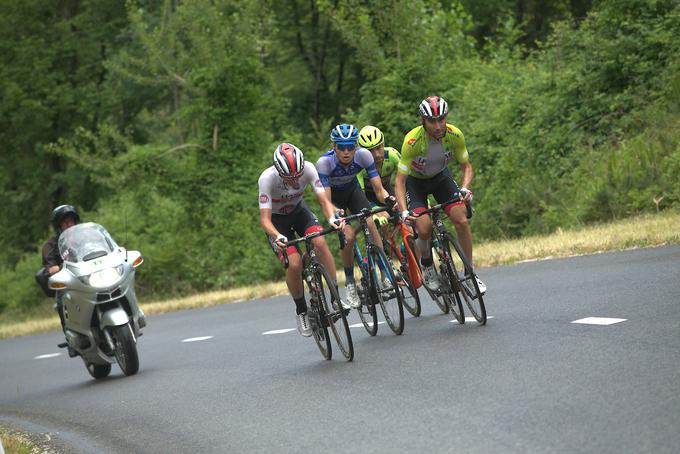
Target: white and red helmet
289 161
433 108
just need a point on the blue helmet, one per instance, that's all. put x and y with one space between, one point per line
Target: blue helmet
345 134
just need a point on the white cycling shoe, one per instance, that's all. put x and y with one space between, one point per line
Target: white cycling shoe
303 326
430 278
353 296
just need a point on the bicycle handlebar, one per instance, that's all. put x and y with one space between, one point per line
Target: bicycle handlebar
364 213
312 235
440 206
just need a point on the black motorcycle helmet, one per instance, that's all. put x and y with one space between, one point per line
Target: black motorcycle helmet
62 212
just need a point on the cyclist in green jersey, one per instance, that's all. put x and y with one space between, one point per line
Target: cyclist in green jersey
423 170
386 162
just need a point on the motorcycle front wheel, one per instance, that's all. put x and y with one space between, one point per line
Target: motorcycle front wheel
125 349
98 370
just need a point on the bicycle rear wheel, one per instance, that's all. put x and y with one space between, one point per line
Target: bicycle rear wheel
469 289
391 298
334 316
451 287
365 289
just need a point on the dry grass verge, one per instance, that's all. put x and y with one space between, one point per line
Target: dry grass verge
642 231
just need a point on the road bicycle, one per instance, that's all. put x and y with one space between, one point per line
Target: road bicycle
458 281
401 252
379 284
325 307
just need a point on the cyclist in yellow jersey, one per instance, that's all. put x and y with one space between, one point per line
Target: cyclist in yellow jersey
423 170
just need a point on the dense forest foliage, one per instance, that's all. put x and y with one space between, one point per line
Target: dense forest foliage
156 117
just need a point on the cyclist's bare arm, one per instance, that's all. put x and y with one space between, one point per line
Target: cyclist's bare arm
380 192
468 174
266 222
326 205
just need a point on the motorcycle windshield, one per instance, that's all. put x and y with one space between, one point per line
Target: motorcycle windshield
84 242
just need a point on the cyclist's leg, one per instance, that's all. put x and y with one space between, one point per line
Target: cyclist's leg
416 198
284 224
457 213
339 199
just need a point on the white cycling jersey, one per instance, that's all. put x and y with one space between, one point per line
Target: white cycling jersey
282 197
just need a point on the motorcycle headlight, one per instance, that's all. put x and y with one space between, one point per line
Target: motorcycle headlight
103 278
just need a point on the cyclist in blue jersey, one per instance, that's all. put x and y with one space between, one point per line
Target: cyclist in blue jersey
338 169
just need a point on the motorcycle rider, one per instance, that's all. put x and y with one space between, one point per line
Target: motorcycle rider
63 217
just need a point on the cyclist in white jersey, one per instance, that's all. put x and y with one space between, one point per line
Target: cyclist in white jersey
284 213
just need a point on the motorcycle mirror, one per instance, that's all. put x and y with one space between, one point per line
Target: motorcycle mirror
136 258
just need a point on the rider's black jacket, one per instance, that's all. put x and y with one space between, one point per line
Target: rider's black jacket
50 253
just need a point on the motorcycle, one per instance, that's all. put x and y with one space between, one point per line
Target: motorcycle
102 320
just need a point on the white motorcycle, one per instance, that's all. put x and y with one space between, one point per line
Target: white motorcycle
102 321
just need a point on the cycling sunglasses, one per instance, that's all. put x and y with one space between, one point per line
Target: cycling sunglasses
346 147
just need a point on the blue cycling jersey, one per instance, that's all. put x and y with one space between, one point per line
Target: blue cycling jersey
334 175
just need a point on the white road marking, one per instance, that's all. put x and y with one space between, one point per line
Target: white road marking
470 319
197 339
49 355
278 331
599 321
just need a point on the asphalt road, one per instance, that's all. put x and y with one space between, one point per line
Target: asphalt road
531 380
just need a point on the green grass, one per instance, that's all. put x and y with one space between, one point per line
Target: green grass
15 443
637 232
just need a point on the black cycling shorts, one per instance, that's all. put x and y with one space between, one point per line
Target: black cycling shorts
442 186
300 221
352 199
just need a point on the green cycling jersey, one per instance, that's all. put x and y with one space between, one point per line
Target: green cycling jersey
386 171
422 157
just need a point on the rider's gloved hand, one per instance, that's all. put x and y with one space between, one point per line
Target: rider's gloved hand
466 195
381 220
337 221
408 216
391 202
281 241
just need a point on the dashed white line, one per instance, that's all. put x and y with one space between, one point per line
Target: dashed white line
278 331
197 339
599 321
49 355
470 319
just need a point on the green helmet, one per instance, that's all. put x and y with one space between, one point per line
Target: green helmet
371 137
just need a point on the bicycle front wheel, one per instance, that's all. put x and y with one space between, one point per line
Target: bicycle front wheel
403 274
317 316
451 287
335 317
390 293
468 287
366 291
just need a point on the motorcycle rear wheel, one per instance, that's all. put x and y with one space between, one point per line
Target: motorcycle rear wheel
125 349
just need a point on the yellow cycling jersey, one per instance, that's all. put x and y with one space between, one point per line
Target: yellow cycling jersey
423 157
